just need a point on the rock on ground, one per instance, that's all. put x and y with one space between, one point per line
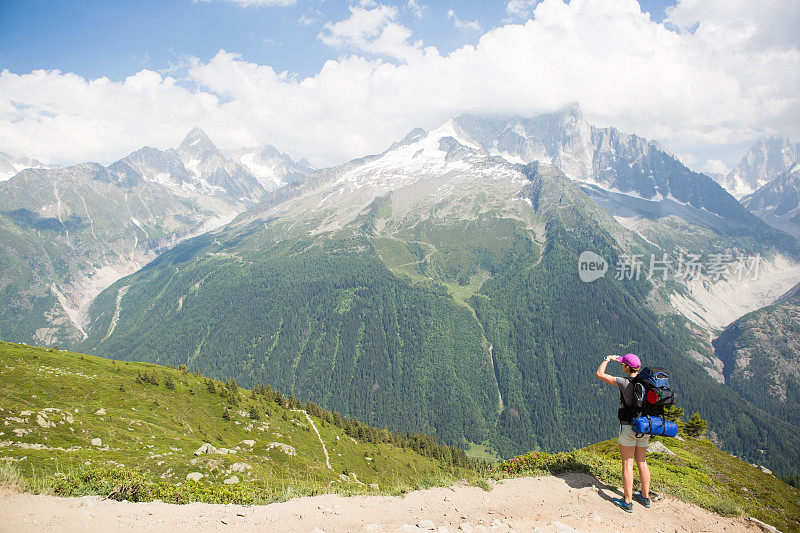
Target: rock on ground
285 448
205 449
659 447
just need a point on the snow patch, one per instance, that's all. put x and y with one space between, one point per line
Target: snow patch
410 162
607 187
264 171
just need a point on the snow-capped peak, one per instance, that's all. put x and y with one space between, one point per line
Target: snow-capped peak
767 158
271 167
10 165
444 151
197 145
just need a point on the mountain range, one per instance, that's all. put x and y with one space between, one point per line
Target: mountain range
68 233
433 287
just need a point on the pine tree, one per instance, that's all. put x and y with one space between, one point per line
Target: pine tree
674 413
696 426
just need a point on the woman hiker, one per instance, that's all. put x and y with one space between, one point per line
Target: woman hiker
631 447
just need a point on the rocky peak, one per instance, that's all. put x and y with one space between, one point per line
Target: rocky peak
766 159
197 145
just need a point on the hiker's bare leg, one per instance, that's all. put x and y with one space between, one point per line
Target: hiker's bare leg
644 471
627 453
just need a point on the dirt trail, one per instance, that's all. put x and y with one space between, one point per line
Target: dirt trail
556 503
314 427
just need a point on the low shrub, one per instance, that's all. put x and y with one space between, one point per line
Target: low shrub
553 463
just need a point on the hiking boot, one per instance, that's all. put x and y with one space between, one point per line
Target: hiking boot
641 499
619 502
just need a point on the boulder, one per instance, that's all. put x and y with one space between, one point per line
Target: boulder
100 412
285 448
249 442
194 476
764 469
231 480
658 447
42 420
240 467
97 442
205 449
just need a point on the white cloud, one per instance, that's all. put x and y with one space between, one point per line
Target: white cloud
371 28
463 25
417 8
521 8
688 159
739 23
677 86
716 166
256 3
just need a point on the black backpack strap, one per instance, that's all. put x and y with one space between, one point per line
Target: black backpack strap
625 412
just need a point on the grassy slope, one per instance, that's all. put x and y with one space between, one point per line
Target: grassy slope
149 434
699 473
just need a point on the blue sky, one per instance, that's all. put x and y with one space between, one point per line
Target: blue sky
115 39
331 81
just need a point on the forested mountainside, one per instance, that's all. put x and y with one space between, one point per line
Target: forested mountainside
761 352
376 305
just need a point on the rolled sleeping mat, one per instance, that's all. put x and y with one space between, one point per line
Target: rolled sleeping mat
654 425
